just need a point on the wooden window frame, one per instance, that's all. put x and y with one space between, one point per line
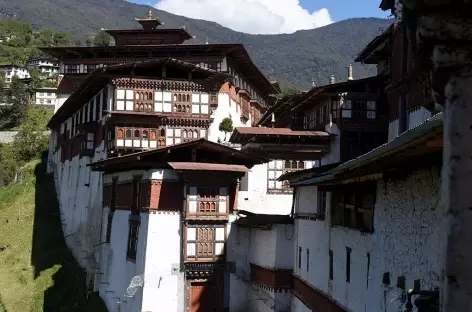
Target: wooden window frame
98 105
285 186
109 225
308 260
90 109
136 195
144 98
348 264
213 255
133 237
321 209
105 99
331 265
300 257
354 204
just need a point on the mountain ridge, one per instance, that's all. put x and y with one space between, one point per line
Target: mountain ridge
297 58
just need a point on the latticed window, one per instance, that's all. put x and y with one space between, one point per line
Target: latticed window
205 242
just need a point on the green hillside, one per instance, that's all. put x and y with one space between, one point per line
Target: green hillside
298 57
37 271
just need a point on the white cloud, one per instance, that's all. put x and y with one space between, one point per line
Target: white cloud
250 16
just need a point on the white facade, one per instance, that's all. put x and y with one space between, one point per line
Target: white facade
46 96
269 248
404 244
44 66
13 70
84 220
415 118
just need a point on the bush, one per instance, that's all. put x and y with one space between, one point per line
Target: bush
226 126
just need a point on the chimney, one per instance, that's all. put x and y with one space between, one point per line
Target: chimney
349 73
313 84
332 80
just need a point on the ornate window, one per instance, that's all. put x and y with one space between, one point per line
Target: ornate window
153 134
128 133
205 242
143 101
145 134
207 201
137 134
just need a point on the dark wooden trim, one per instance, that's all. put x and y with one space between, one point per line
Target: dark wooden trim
314 298
273 279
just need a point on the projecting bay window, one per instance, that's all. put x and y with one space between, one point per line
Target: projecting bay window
205 242
275 169
87 145
207 202
358 108
353 206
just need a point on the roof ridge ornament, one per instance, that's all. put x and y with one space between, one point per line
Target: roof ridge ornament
150 13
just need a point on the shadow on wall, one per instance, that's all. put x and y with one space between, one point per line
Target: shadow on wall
49 250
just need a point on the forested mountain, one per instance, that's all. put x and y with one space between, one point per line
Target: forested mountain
297 58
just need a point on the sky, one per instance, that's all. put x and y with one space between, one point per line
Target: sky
270 16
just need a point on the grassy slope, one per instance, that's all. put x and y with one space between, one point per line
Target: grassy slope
37 271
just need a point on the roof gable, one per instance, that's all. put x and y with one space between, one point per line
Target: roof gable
197 151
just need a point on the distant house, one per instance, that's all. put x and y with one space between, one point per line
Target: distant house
13 70
45 96
44 66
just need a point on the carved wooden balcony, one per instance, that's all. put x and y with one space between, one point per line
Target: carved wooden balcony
215 206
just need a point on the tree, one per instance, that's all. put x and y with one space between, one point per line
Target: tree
17 96
226 126
61 39
103 39
89 42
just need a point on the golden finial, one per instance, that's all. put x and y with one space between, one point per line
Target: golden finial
150 13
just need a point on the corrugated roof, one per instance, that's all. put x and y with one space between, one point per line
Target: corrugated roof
325 177
207 167
307 173
278 131
399 143
259 220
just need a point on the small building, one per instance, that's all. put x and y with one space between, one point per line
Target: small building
368 229
12 71
260 252
368 226
45 96
44 66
